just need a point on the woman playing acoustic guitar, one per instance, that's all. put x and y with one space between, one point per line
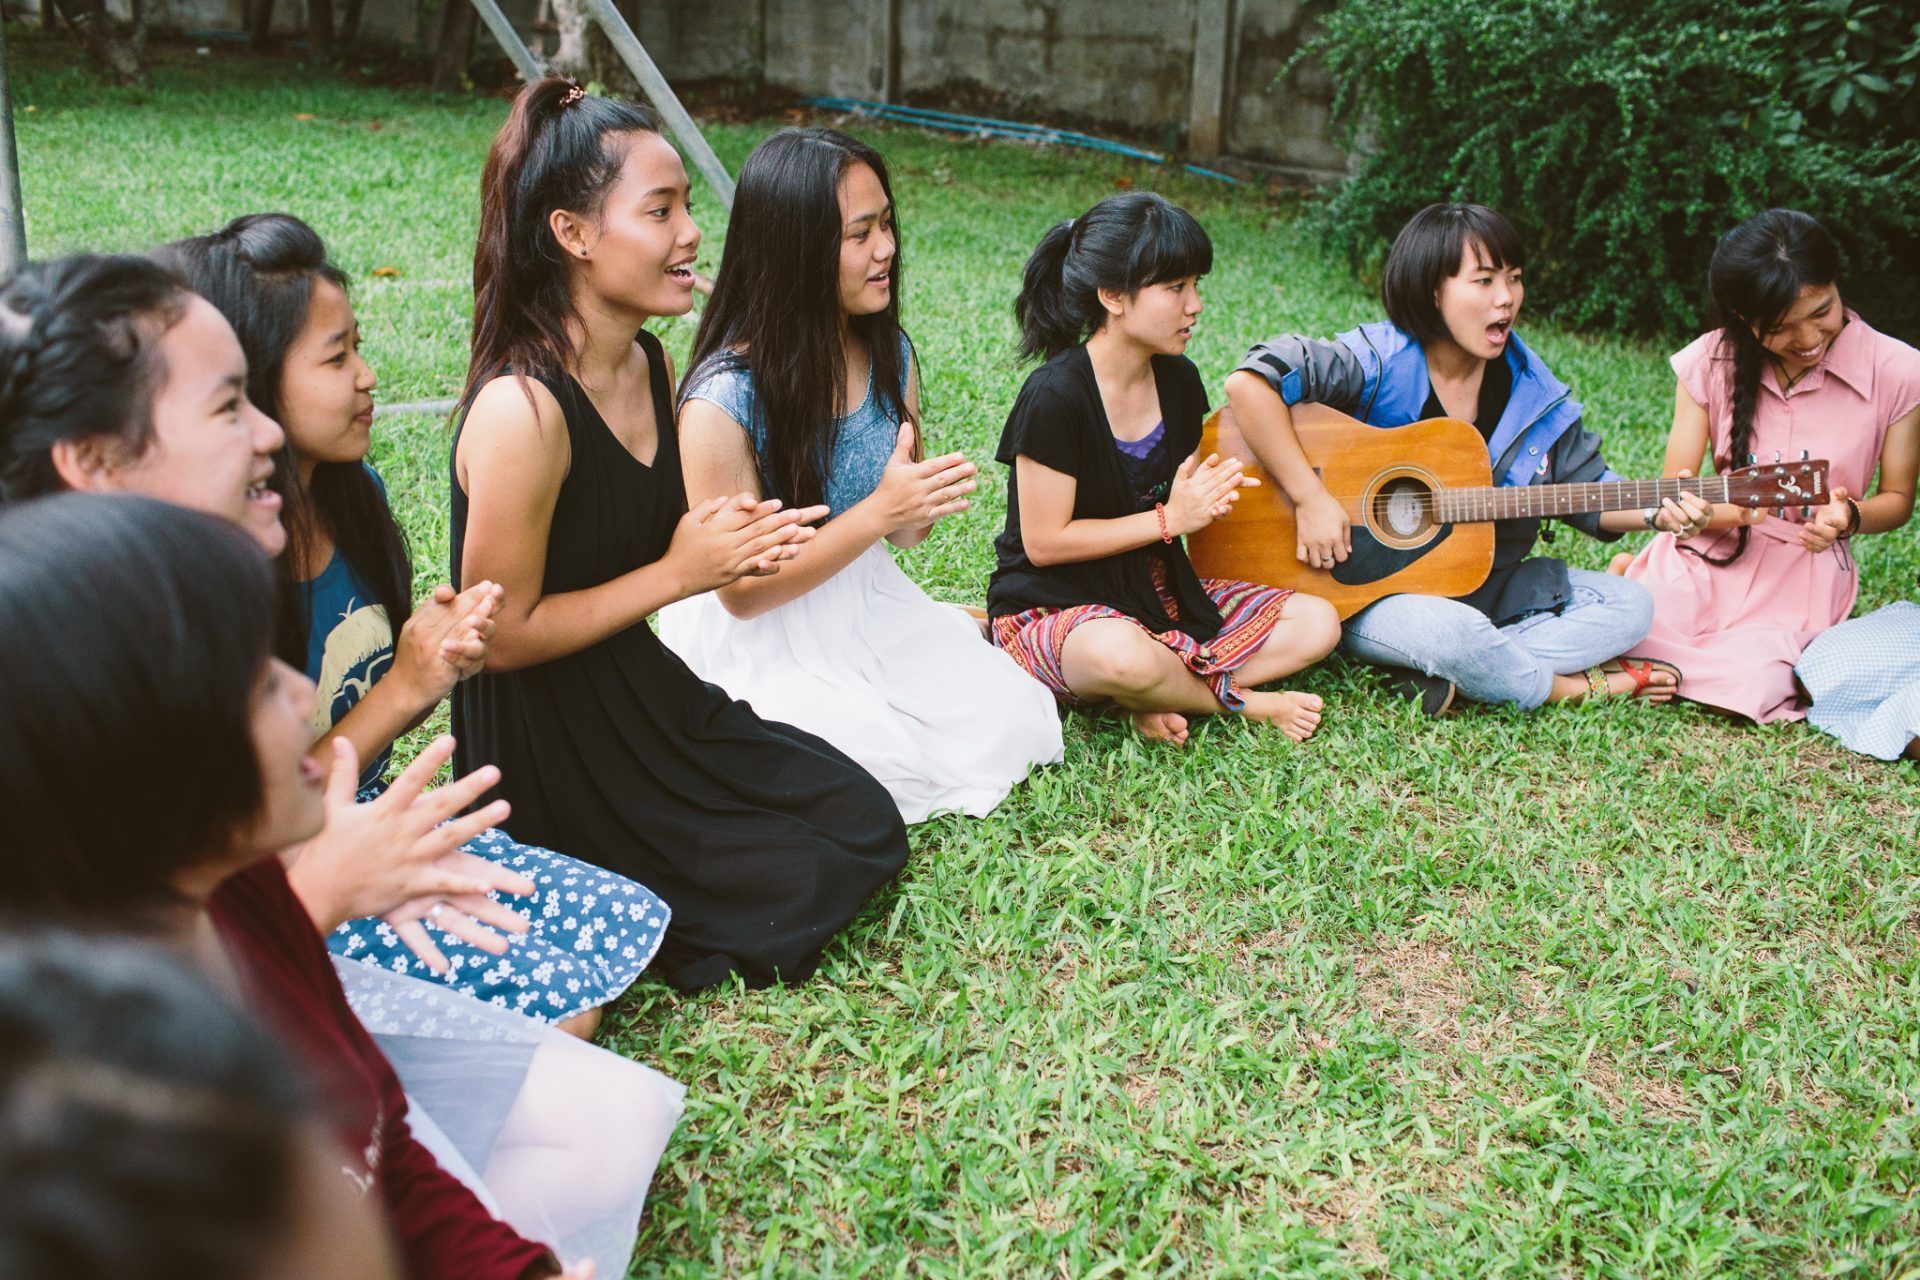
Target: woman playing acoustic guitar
1536 631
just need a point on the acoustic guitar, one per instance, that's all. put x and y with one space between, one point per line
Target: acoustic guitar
1422 502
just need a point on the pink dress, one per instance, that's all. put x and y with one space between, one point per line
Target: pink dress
1735 631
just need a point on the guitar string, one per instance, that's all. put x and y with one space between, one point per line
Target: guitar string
1543 499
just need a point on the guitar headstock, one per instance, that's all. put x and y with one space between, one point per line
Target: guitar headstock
1800 482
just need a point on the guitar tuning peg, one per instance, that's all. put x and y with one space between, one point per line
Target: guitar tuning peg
1805 456
1753 459
1806 513
1776 455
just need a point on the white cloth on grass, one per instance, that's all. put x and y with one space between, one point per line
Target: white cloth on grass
557 1137
906 686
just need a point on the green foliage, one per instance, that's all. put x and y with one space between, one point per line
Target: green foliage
1626 138
1600 991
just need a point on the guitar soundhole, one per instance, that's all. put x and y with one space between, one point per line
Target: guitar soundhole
1403 509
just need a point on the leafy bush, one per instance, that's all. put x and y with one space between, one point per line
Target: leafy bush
1625 138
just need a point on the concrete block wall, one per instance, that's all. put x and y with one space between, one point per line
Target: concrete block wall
1169 71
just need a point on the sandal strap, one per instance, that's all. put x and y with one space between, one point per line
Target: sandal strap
1596 683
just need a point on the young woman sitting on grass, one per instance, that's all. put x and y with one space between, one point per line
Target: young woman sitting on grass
347 590
148 628
1536 631
567 491
117 378
804 387
1789 371
1094 594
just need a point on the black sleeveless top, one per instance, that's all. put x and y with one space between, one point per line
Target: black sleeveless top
764 840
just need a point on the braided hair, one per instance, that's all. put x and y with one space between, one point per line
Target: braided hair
80 359
1758 272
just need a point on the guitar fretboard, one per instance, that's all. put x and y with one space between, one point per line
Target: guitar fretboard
1542 501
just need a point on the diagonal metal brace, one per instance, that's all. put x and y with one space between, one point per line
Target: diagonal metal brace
688 134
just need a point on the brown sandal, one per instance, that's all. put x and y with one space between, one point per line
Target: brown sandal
1640 673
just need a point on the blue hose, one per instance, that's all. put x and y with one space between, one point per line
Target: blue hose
984 127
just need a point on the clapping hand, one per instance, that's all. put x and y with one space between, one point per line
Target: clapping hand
913 495
400 856
725 539
445 640
1202 492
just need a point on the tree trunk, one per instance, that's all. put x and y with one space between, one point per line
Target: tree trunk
320 30
584 51
110 50
457 21
260 23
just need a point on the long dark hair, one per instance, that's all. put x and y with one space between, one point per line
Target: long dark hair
80 359
1757 273
152 1129
554 152
1124 243
776 303
260 271
136 632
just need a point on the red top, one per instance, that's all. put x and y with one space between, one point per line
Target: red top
444 1232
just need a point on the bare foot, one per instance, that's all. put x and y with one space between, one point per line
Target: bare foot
1160 726
1295 714
1618 565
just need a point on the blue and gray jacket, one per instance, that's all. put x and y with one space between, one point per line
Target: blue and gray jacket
1378 374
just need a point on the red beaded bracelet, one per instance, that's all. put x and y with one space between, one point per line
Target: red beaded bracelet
1160 511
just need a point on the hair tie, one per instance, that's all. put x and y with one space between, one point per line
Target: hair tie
573 95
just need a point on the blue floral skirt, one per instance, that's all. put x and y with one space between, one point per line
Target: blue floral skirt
590 934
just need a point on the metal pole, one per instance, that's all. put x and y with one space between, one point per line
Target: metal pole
524 61
13 226
634 54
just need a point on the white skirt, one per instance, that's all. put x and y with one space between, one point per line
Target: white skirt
908 687
555 1137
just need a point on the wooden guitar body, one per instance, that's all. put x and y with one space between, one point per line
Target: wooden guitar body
1386 477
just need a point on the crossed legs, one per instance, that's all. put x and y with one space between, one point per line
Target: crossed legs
1112 659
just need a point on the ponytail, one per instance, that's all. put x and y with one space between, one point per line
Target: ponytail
1123 244
1758 271
554 152
80 359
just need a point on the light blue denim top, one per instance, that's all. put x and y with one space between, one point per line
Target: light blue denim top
861 446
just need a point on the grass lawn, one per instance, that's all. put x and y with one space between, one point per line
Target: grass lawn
1603 990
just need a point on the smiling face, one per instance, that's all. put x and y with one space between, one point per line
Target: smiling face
638 250
326 389
211 450
867 242
1159 317
292 783
1802 336
1479 303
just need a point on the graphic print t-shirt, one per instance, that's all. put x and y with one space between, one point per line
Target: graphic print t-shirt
349 646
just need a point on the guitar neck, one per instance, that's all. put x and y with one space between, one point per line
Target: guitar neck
1542 501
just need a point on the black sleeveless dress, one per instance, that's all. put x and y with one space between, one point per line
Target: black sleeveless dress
763 839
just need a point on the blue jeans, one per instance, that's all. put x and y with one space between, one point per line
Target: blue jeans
1605 618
